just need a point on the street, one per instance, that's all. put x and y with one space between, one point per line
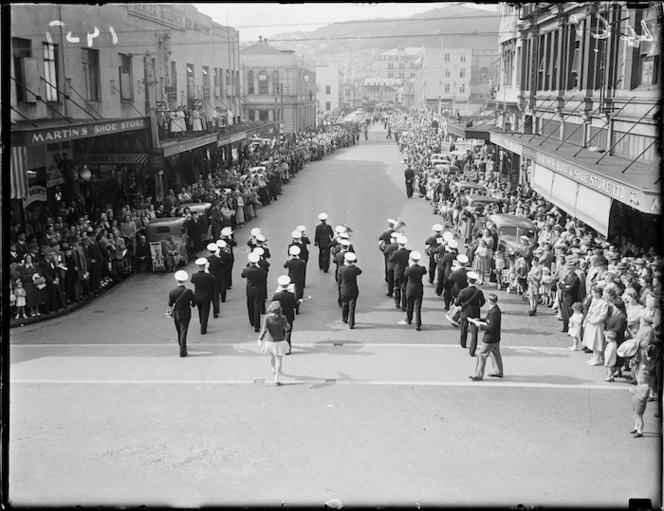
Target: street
104 412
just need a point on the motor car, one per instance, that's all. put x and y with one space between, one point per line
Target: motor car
440 158
480 201
204 212
510 229
158 230
474 188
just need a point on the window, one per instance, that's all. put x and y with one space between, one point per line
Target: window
126 89
508 65
447 88
390 75
447 57
252 115
328 106
447 73
553 84
206 82
217 82
462 72
51 71
191 85
262 84
574 59
462 57
174 74
462 89
251 88
263 115
90 60
21 50
541 68
412 75
328 89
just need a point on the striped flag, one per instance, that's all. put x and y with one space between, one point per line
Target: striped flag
19 176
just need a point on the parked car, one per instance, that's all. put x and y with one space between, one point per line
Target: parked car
204 213
510 228
474 188
158 230
475 201
438 158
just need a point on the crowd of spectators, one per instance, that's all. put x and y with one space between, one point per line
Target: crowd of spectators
72 254
605 291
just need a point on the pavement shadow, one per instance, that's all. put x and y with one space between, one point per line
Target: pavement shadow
545 378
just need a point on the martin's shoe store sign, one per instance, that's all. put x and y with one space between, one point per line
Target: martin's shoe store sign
77 131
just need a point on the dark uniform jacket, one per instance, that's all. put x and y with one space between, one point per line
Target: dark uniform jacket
348 275
182 310
256 281
288 304
296 268
471 300
216 268
414 274
400 260
203 286
304 251
387 252
459 280
492 328
324 235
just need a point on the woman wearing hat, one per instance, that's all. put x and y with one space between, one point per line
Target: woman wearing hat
272 338
594 325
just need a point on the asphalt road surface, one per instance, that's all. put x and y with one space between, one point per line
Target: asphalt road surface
104 412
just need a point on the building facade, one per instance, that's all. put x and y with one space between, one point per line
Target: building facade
576 100
91 111
278 86
445 76
396 66
328 87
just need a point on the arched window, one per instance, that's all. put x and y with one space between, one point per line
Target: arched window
250 82
262 82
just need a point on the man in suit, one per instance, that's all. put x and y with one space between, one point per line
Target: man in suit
569 288
289 304
400 259
256 290
349 290
409 176
216 269
414 289
182 299
296 269
470 299
322 240
391 247
490 342
203 290
432 244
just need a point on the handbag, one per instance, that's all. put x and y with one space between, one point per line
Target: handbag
628 348
170 311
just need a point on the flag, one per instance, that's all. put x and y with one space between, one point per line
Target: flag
19 177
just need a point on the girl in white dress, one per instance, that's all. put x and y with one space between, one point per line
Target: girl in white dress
593 333
574 329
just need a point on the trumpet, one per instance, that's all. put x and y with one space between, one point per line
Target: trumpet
400 223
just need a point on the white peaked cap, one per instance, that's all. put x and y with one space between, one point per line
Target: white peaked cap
395 235
322 216
259 251
253 257
201 261
301 228
284 280
350 256
255 231
345 243
453 244
415 255
212 247
344 235
447 235
181 276
294 250
472 276
340 228
226 231
437 227
221 244
296 234
260 237
402 240
462 258
391 221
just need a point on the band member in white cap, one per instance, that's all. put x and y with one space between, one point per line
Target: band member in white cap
414 289
261 242
304 250
400 259
470 299
181 299
349 290
262 262
322 240
227 236
459 276
391 247
444 268
256 290
253 234
302 247
216 269
289 304
203 290
385 239
225 254
339 261
431 244
296 270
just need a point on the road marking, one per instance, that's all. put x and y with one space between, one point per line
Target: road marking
485 383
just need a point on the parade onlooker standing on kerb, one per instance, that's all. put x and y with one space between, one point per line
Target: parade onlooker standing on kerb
490 345
181 299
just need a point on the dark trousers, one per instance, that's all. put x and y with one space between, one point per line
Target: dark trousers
565 309
400 292
348 304
414 304
432 270
447 294
304 278
181 327
468 328
254 308
390 282
324 258
224 285
440 283
204 313
409 190
216 296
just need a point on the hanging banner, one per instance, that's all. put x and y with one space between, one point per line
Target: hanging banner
35 194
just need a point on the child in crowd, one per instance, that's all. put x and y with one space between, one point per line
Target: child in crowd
19 292
574 329
546 288
610 355
510 276
640 398
499 263
521 270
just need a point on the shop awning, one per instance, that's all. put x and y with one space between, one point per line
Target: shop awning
480 129
19 172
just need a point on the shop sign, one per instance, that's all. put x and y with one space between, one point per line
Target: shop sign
35 194
507 143
93 129
54 177
156 159
188 145
626 194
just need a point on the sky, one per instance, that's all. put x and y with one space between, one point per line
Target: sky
268 19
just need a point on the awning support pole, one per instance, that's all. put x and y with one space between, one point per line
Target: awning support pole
26 118
563 120
629 130
67 97
593 137
86 101
639 156
536 111
40 99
